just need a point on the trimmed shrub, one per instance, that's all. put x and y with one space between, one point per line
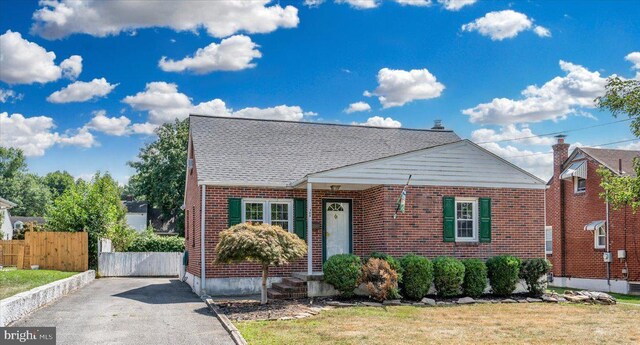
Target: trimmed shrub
503 274
531 270
155 243
475 277
380 280
343 272
417 276
448 275
393 263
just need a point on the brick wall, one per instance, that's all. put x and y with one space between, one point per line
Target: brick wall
581 258
192 217
517 216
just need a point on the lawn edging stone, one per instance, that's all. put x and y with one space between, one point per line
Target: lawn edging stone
20 305
235 335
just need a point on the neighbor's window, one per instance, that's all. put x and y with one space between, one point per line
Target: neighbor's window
466 220
579 184
548 240
269 211
601 237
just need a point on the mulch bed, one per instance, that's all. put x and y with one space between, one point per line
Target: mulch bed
240 310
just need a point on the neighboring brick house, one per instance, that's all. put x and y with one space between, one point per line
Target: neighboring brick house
586 250
336 186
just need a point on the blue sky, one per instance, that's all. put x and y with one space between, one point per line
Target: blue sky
466 62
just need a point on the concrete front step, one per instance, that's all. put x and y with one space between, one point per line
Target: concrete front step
294 282
286 288
274 294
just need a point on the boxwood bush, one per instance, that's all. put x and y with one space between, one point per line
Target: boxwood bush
393 263
448 275
417 277
343 272
503 274
475 277
531 270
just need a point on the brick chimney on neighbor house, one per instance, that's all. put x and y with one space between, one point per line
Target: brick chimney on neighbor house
560 154
555 207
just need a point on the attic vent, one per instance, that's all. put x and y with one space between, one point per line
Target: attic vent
437 124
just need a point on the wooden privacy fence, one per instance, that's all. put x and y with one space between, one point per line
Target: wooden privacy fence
64 251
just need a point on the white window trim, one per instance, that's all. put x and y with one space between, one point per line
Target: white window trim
575 185
548 230
595 238
267 209
474 202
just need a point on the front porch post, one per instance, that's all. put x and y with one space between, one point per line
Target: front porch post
309 227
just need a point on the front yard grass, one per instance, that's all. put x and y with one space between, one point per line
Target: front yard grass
533 323
619 297
13 281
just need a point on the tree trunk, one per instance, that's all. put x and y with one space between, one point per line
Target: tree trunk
265 273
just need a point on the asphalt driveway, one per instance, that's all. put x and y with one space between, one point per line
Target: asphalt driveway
131 311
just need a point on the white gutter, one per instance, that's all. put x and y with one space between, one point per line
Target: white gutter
203 284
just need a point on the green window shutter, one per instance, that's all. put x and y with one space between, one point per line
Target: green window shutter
234 208
449 219
485 219
300 218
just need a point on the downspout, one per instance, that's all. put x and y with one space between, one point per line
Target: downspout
203 290
544 204
607 238
563 236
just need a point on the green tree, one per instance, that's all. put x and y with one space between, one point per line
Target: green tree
160 171
12 163
622 97
26 190
263 244
93 207
58 182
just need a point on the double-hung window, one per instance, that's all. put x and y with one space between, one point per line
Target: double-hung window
600 238
579 184
269 211
466 220
548 240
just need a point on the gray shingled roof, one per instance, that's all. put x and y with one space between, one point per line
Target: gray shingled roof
235 150
610 158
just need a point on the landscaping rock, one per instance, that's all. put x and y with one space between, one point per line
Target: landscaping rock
429 301
523 301
575 298
466 300
508 300
392 302
533 300
549 299
372 304
561 300
339 304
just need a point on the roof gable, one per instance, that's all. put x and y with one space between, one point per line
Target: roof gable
235 151
611 158
461 163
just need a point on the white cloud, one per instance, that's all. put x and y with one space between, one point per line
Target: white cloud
504 24
630 146
71 67
25 62
554 100
313 3
117 126
542 31
358 106
379 121
419 3
143 128
60 18
81 91
508 133
455 5
397 87
634 58
360 4
164 103
7 95
232 54
34 135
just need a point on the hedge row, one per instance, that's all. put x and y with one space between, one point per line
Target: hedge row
412 275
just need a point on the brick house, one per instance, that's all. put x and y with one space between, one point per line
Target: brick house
336 186
590 245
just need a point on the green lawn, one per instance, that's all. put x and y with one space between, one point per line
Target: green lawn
13 281
619 297
532 323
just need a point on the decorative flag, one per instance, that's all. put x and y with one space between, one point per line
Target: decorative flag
402 200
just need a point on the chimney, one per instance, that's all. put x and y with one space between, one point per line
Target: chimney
437 125
560 154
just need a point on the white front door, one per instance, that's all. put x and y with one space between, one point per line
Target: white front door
337 228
